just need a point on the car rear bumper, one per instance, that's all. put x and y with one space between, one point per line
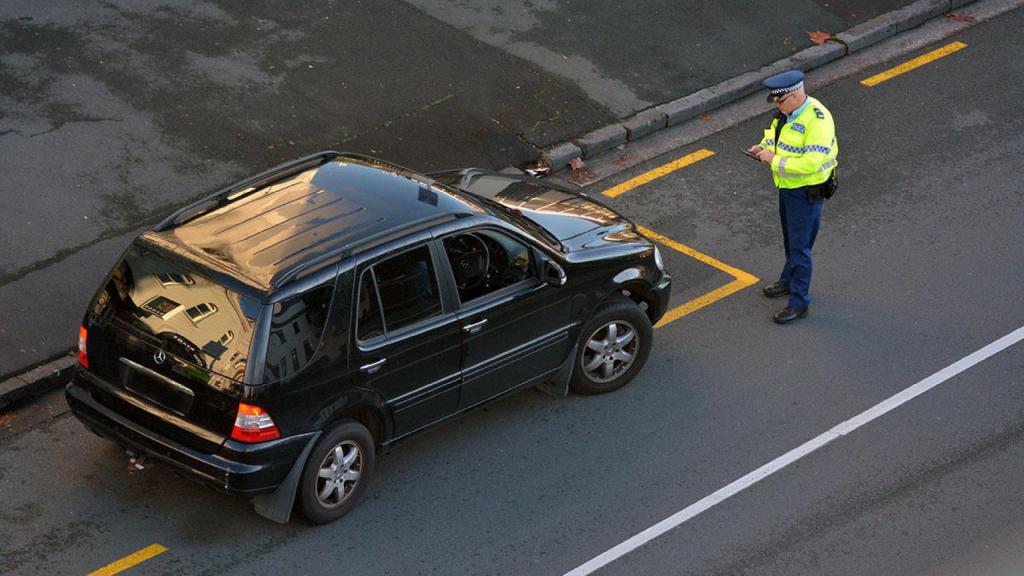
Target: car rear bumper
237 468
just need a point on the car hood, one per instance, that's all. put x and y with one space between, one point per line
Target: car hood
564 213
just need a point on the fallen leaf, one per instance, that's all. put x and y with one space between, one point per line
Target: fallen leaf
705 116
6 419
622 159
957 17
581 175
577 163
787 40
819 37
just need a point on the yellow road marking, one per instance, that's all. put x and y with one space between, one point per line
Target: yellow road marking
658 172
735 272
130 560
915 63
705 300
741 278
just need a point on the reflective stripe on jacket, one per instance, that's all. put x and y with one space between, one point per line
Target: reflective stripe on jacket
807 150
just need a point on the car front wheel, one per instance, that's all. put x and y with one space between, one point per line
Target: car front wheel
337 472
614 346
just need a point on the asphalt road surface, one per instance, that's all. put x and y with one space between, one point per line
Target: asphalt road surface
917 265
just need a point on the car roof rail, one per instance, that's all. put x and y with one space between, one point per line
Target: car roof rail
244 188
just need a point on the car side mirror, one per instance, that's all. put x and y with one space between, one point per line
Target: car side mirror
554 275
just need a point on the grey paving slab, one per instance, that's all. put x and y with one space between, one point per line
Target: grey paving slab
682 109
644 123
815 56
868 33
742 85
12 390
558 157
919 12
601 139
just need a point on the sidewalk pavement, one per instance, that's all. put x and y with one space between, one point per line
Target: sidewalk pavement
74 160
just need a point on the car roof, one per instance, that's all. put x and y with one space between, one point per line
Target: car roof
304 215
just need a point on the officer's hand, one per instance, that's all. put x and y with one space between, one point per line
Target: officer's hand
765 156
754 149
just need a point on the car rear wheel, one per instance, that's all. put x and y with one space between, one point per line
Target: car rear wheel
337 472
614 346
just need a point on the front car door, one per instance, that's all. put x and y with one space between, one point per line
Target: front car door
515 326
408 338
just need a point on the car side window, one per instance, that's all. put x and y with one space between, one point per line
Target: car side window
406 286
296 330
485 261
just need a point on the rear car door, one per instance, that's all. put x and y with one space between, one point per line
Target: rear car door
408 339
515 326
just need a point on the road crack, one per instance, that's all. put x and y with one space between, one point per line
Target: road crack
554 115
410 114
57 126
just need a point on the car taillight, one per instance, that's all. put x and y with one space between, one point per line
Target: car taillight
83 354
253 424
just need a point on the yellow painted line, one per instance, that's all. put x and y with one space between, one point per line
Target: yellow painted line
741 278
912 64
658 172
705 300
130 560
735 272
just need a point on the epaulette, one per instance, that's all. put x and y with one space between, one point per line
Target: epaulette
819 113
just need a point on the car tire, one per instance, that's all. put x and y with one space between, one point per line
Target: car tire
336 473
608 358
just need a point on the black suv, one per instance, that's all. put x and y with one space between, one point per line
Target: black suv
268 339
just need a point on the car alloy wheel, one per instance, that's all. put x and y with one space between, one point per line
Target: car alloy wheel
339 474
610 351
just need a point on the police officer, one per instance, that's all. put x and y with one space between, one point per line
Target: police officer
800 146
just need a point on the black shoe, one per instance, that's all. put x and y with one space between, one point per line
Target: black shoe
775 290
788 314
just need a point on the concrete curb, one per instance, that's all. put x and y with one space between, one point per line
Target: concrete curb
705 100
36 381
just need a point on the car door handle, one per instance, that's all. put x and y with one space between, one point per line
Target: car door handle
373 366
474 327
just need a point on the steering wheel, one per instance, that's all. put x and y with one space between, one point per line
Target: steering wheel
470 260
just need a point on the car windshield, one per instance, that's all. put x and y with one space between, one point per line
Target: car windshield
520 219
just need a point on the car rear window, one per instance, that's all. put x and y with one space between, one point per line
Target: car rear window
296 331
192 317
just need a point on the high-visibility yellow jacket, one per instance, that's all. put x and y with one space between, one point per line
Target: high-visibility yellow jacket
807 151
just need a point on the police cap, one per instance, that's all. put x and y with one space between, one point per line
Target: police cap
782 84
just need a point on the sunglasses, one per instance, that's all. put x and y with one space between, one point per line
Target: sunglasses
781 99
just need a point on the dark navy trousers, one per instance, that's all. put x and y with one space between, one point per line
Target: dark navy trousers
800 220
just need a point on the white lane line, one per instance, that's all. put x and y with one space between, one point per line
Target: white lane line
797 453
